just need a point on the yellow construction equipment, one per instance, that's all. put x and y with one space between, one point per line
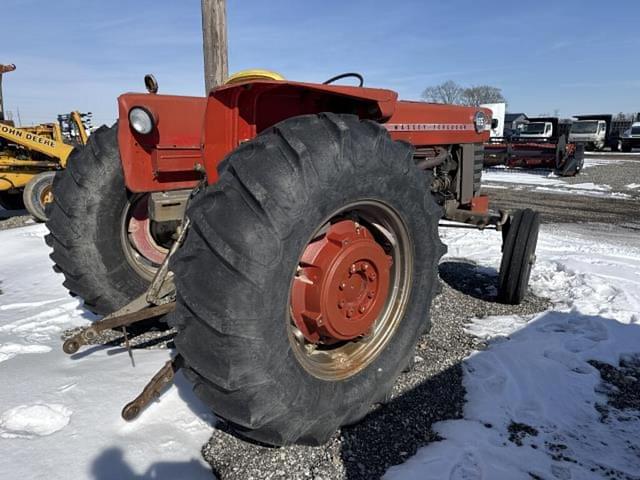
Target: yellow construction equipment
30 156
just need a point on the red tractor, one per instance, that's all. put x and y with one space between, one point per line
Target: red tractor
301 275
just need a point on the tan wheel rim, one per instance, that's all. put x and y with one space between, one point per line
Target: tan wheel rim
46 196
337 359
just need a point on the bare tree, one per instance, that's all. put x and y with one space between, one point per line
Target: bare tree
625 117
480 94
448 92
452 93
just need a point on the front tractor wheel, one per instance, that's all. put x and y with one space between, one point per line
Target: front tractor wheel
306 278
518 255
38 195
102 238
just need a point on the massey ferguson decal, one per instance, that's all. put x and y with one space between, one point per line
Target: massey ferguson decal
428 127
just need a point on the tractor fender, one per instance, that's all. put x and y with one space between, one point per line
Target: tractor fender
238 112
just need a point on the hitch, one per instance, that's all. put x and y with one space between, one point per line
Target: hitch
158 300
117 319
153 389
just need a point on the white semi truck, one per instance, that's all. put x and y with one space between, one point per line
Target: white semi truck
601 131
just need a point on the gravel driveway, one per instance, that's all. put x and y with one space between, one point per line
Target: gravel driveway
14 218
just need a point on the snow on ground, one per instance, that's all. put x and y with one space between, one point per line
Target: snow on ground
532 386
60 416
526 177
586 189
532 395
546 181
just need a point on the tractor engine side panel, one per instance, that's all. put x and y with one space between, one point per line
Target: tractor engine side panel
423 124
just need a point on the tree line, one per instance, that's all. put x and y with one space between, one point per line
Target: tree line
454 94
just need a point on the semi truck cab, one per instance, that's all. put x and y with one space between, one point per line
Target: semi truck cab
591 132
537 130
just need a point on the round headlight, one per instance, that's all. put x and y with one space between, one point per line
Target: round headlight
141 120
480 122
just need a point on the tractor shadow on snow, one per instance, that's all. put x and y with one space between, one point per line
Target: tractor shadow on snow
112 464
471 279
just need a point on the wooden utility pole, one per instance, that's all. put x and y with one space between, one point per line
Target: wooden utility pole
4 69
214 38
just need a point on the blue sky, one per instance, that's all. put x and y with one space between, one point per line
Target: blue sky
573 56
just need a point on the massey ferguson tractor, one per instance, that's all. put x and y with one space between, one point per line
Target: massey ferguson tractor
288 230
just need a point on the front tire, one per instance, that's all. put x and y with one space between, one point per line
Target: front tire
38 194
279 196
86 223
518 256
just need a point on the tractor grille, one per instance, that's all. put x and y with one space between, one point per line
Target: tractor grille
478 160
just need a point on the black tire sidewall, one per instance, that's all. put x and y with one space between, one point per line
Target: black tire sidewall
85 221
520 245
315 407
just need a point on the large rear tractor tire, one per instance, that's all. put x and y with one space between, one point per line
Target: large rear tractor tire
306 278
518 256
100 233
38 194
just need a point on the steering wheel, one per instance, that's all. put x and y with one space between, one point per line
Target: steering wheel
345 75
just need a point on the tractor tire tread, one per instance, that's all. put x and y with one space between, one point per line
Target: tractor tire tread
225 269
84 226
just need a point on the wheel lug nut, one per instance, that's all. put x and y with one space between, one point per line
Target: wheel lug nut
361 309
350 313
353 268
370 294
372 276
342 286
341 304
365 267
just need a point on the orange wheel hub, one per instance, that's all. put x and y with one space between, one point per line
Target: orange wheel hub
342 284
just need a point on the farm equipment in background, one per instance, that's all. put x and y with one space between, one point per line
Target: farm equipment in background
598 132
301 275
541 143
30 156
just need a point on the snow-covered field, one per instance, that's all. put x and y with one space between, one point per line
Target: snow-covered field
59 416
535 370
546 181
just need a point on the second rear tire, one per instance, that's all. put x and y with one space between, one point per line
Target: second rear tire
86 227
